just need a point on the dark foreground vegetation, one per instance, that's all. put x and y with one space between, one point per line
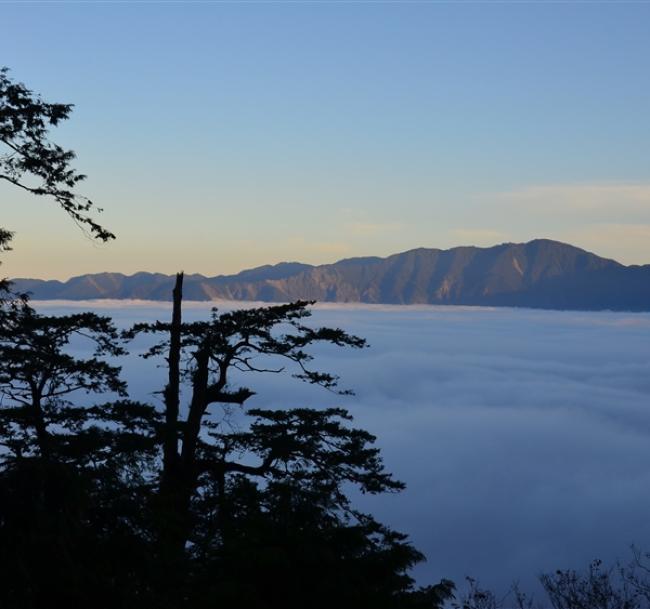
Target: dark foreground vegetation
108 502
194 500
621 586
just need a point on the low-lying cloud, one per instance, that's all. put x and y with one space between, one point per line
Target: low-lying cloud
523 436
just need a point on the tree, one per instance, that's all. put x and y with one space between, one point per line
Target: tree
239 510
282 518
73 481
597 588
38 374
35 164
621 586
120 503
212 350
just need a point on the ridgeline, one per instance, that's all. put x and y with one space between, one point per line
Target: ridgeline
539 274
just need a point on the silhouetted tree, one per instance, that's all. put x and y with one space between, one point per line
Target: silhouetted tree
281 518
120 504
75 476
38 374
260 516
212 350
598 588
32 162
621 586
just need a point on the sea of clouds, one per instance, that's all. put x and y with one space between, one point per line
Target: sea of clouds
523 436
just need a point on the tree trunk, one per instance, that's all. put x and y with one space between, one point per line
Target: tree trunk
171 504
172 390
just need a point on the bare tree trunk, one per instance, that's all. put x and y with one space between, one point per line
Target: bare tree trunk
171 504
172 390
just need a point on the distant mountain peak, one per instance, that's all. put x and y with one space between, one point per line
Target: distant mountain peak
541 273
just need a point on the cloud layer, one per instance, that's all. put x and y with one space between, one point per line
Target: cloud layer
523 436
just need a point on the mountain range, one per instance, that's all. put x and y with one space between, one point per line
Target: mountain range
539 274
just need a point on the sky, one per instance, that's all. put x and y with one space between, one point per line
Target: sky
522 435
219 136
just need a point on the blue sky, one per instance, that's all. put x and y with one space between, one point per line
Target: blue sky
219 136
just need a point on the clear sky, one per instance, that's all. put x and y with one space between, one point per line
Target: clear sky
220 136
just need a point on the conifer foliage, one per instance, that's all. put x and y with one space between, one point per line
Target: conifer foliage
119 503
30 161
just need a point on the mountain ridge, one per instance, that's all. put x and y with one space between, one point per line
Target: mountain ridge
540 274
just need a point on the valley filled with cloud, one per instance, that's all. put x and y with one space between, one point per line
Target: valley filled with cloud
523 436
